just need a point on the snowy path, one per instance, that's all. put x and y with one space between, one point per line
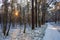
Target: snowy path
51 33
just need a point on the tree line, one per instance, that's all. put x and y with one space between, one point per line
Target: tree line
24 15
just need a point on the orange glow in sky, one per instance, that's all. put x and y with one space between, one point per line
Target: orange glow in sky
16 13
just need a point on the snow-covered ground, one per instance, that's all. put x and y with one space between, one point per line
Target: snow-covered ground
52 32
49 31
17 33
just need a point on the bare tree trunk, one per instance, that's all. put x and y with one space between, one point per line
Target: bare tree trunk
32 14
28 17
5 17
24 20
20 17
12 21
9 21
36 11
9 18
24 26
43 11
39 12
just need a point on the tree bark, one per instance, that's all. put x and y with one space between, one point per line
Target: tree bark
24 20
36 11
32 14
43 11
5 17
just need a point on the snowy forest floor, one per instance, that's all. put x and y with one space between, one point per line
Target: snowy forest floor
49 31
16 33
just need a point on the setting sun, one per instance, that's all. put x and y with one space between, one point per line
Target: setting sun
16 13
